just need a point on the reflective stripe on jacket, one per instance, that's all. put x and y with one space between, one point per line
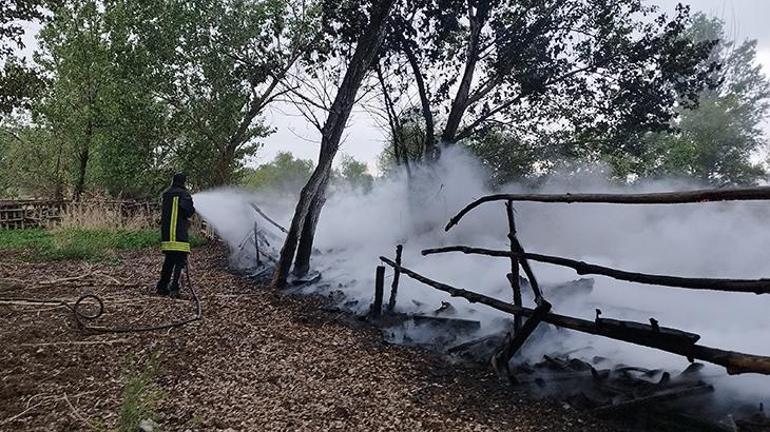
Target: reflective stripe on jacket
176 210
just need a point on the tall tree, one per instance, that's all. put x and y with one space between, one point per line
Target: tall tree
219 65
368 29
73 51
715 141
353 175
592 70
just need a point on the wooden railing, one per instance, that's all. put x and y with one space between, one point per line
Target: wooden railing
651 335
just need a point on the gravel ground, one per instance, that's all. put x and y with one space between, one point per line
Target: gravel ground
258 360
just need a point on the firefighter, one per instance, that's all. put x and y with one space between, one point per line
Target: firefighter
176 210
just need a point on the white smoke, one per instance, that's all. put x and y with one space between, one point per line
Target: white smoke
728 240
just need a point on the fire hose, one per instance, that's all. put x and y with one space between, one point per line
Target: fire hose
82 317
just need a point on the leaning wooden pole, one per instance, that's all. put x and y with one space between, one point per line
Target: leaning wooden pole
267 218
669 340
695 196
513 276
755 286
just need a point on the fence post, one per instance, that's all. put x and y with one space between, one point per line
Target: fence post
379 288
396 275
256 243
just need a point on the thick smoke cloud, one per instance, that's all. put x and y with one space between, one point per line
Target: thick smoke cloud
708 240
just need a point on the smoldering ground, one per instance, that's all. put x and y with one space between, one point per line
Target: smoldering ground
729 240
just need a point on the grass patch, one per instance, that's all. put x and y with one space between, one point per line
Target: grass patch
15 239
140 396
80 243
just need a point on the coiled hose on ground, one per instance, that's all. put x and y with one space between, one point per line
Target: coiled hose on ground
82 317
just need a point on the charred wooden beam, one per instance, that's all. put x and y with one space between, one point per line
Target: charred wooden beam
695 196
513 276
256 244
394 285
379 288
657 397
523 334
267 218
756 286
734 362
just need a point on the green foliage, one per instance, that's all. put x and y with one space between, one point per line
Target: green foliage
410 134
79 244
715 141
217 64
141 89
32 163
285 174
98 110
19 82
590 72
508 156
353 174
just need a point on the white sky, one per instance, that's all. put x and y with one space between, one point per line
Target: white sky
364 140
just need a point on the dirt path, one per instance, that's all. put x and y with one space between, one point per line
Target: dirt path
258 361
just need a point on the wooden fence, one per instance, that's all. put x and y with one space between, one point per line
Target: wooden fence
19 214
650 335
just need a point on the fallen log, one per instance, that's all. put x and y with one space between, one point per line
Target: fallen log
734 362
756 286
694 196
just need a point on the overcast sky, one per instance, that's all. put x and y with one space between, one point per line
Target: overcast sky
745 19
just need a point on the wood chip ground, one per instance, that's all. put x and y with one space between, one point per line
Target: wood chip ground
258 361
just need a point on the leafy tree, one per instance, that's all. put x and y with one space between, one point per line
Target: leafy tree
588 72
74 53
509 157
98 107
364 24
218 65
19 83
715 141
354 174
130 158
408 134
284 173
32 163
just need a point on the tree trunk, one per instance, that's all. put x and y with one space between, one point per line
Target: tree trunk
83 157
305 248
309 191
366 50
477 19
223 174
427 114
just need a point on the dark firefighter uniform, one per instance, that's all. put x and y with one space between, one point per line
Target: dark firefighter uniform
176 210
